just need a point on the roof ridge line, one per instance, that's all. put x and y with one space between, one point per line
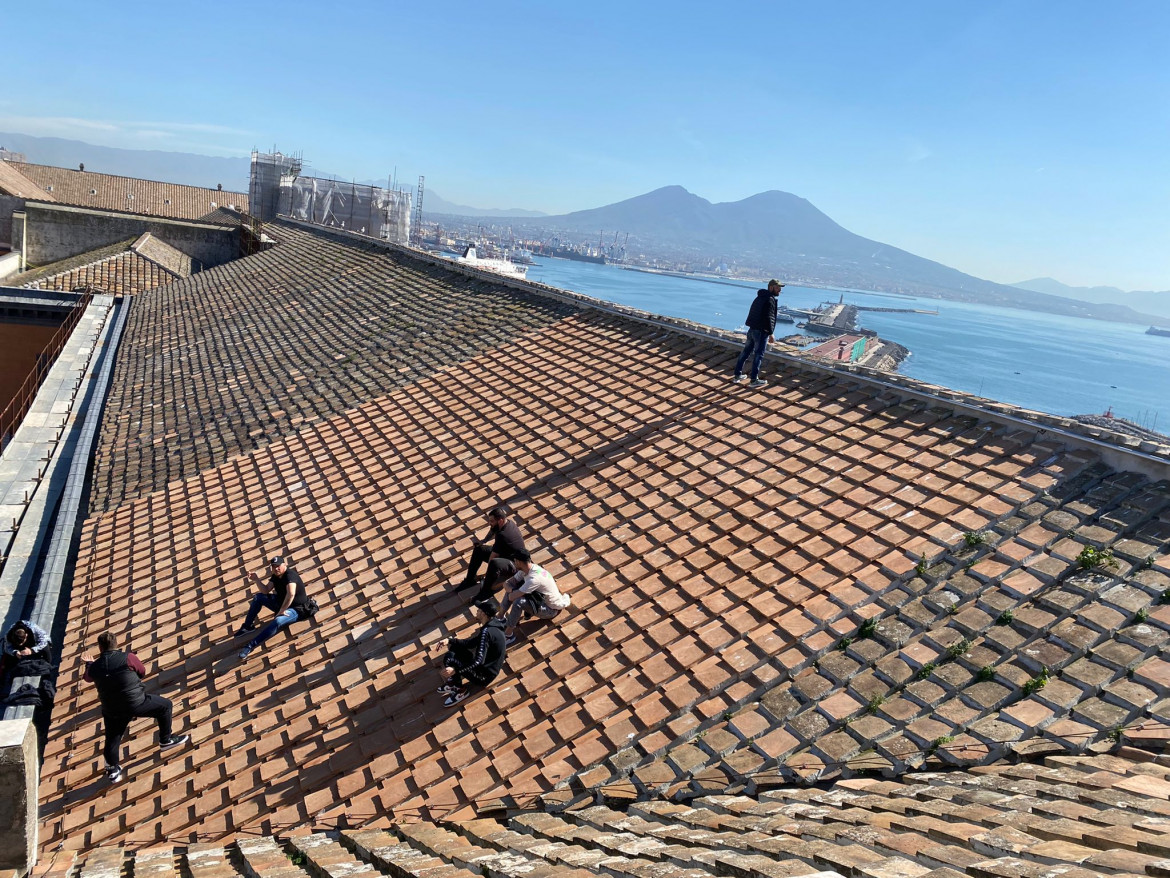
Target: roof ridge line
1153 461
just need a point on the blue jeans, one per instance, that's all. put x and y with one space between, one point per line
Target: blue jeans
757 339
260 602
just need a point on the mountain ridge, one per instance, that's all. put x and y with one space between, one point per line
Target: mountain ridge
775 232
1155 301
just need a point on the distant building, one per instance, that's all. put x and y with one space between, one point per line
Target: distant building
844 349
277 188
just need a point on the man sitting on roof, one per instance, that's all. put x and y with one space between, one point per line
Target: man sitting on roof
506 544
118 677
531 592
285 593
475 660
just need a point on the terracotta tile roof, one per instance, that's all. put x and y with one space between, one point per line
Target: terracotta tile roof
127 267
13 182
262 345
804 583
1076 817
705 536
108 192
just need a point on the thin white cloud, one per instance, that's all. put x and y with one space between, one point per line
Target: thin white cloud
917 151
70 126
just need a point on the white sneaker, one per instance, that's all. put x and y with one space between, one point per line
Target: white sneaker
113 773
739 379
759 382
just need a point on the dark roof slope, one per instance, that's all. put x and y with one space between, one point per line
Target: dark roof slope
1071 817
109 192
230 358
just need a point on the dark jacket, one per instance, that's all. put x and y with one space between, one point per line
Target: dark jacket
762 314
118 677
508 542
27 665
487 647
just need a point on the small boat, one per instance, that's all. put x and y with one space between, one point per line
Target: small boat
500 266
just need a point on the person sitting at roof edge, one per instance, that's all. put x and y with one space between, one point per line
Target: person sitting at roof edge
531 592
284 592
118 677
28 651
506 543
476 660
761 323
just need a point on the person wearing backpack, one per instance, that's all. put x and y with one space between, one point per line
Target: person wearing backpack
284 592
761 323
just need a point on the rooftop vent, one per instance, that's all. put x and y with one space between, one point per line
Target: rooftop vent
93 192
167 201
214 205
130 195
49 188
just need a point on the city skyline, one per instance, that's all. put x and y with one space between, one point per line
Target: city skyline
1007 142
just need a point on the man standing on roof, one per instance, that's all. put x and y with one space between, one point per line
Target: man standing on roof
475 660
118 677
285 593
761 323
531 592
505 544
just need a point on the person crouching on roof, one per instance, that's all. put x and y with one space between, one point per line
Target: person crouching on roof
27 651
118 677
476 660
531 592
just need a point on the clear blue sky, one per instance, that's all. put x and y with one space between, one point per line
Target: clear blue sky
1007 139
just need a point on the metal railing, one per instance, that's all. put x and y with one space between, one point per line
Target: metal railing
15 411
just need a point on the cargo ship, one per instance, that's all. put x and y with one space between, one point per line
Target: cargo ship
1153 330
576 255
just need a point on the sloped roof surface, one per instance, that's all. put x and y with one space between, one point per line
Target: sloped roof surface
233 357
13 182
760 580
163 254
1073 817
109 192
127 267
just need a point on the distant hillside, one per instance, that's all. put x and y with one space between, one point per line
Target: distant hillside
146 164
788 236
435 203
1157 303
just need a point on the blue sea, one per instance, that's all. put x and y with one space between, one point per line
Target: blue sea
1062 365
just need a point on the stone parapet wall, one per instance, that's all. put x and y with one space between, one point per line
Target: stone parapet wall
54 232
19 777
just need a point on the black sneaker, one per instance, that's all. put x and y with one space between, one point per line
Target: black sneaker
113 773
455 697
244 629
447 689
174 741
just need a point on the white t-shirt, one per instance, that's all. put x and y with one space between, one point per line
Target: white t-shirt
539 581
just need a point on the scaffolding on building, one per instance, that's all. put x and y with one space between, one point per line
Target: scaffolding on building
277 188
418 212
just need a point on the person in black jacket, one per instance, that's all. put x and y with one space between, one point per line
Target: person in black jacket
761 323
284 592
475 660
500 548
118 677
